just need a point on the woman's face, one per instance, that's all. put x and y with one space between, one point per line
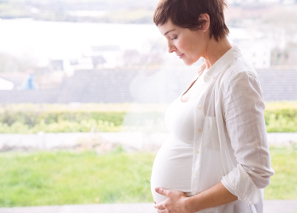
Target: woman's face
188 45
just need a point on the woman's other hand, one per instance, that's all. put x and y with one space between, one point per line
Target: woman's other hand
175 203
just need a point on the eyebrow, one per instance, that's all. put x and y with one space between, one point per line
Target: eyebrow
168 32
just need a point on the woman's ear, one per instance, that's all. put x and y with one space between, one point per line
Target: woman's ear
204 19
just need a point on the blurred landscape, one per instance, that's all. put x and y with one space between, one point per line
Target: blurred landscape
106 11
84 85
61 50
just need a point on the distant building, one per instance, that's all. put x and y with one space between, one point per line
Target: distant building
56 65
6 84
97 57
106 56
254 2
258 52
254 48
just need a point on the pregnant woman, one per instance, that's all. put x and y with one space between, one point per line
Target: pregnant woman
216 158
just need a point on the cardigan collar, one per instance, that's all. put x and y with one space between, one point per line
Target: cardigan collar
222 63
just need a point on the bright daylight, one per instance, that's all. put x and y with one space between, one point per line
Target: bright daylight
151 106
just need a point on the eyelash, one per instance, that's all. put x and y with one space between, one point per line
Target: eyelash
174 38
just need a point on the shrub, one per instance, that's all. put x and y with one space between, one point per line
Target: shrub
30 118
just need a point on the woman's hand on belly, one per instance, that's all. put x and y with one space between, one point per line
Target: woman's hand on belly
175 203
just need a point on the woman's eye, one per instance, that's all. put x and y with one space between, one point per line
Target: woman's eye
174 38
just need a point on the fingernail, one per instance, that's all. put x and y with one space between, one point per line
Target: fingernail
157 189
155 202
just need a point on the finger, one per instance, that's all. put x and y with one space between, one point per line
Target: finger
159 206
162 191
162 211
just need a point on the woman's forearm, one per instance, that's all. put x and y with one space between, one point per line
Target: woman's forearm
215 196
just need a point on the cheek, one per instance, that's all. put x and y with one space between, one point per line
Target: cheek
186 46
183 45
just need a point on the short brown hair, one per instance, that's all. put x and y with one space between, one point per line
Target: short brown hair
185 14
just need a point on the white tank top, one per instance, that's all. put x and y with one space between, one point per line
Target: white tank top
172 168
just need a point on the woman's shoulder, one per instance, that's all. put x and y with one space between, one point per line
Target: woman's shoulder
240 70
240 66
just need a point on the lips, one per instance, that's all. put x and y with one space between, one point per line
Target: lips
180 56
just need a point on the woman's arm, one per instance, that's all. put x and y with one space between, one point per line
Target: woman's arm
215 196
178 202
245 124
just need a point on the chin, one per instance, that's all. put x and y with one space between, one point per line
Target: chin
189 63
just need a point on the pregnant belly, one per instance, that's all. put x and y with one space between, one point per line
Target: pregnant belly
172 168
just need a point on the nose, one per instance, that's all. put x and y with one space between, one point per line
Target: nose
171 48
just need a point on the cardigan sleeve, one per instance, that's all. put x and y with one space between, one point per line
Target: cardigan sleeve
243 107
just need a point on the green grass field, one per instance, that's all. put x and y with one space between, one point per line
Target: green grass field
59 178
284 183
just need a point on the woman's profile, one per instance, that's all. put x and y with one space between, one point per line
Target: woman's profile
216 158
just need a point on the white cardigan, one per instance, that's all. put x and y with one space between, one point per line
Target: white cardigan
230 144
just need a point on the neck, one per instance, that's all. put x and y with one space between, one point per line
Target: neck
215 50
